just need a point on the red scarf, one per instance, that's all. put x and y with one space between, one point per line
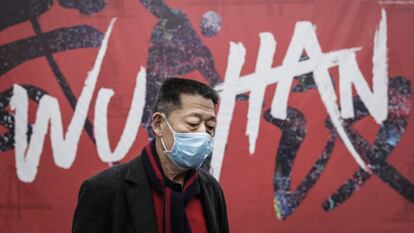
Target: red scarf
174 197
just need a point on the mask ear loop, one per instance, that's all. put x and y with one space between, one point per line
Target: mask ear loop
162 141
168 123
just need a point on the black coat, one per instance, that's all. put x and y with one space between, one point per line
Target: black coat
119 200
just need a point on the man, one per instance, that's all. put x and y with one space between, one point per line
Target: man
163 190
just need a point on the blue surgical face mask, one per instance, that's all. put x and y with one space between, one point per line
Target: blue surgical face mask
189 150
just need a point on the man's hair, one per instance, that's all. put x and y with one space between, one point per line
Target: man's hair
169 95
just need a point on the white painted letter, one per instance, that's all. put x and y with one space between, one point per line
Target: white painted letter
64 146
132 124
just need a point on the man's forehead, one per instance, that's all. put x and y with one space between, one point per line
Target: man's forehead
202 115
194 98
196 101
196 105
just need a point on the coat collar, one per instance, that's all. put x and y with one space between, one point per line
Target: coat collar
208 202
139 196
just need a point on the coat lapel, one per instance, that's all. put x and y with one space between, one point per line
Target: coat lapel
139 196
207 200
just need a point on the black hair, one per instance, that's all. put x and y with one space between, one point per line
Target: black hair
169 95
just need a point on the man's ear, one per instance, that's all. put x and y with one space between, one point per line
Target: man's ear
156 123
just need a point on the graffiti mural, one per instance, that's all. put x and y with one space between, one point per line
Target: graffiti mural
328 74
294 132
43 44
175 49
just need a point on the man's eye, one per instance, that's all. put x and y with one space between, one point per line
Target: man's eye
210 128
192 125
211 131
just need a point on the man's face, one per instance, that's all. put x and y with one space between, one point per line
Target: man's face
197 114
